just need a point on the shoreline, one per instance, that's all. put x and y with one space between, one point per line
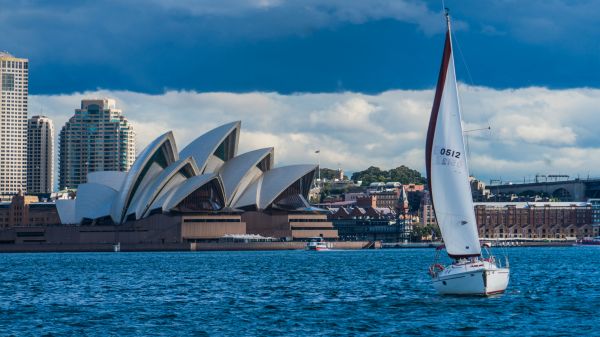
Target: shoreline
176 247
508 244
233 246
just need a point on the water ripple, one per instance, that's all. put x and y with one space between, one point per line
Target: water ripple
553 291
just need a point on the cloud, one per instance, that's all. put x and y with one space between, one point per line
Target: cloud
292 46
533 130
298 17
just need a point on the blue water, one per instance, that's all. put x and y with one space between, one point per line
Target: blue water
553 291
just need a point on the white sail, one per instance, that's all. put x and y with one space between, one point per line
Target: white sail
447 170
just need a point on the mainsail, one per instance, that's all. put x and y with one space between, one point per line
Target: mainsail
446 161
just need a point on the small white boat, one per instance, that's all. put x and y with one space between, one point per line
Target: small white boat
448 179
317 244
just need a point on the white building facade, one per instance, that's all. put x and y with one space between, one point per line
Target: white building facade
14 83
40 155
97 138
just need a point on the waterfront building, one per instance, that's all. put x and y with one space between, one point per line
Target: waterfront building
25 211
353 196
595 205
534 220
426 213
40 155
97 137
367 224
379 199
14 84
478 190
402 207
202 193
366 201
375 187
414 193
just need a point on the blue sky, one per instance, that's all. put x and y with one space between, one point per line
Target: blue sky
298 46
352 78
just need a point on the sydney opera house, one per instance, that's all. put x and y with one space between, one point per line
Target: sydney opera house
200 193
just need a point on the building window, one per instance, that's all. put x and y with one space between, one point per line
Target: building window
8 82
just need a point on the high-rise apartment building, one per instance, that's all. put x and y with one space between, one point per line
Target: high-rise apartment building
97 138
14 77
40 155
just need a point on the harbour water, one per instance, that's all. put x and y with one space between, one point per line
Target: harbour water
553 291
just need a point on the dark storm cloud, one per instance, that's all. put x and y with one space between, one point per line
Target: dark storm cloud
298 46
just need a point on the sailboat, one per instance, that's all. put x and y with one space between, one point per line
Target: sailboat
470 273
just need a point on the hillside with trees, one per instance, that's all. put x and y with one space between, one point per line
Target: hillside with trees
402 174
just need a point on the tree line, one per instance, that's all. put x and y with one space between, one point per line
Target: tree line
401 174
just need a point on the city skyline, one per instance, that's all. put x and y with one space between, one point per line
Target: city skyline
340 70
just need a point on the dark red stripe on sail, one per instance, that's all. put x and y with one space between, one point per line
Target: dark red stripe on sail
439 90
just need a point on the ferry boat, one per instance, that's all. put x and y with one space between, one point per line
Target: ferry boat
317 244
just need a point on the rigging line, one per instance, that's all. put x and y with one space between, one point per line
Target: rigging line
462 57
480 129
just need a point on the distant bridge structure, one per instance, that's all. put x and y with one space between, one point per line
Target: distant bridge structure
565 190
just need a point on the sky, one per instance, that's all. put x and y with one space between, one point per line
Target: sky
351 78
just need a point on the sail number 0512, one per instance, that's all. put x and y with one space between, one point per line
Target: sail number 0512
450 153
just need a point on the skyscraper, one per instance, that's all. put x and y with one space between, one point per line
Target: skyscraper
97 138
40 155
14 77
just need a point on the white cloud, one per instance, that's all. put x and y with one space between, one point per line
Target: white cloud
533 130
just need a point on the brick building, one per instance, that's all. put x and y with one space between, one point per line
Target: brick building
25 210
368 224
535 220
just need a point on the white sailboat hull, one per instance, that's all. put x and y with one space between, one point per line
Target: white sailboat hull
478 278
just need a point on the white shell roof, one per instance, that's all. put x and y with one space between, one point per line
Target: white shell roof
236 169
188 187
159 180
112 179
66 211
150 192
94 200
271 184
162 199
203 147
124 197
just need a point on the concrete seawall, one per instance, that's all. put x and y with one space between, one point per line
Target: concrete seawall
154 247
275 245
91 247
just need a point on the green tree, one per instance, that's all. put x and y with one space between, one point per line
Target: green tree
401 174
422 231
